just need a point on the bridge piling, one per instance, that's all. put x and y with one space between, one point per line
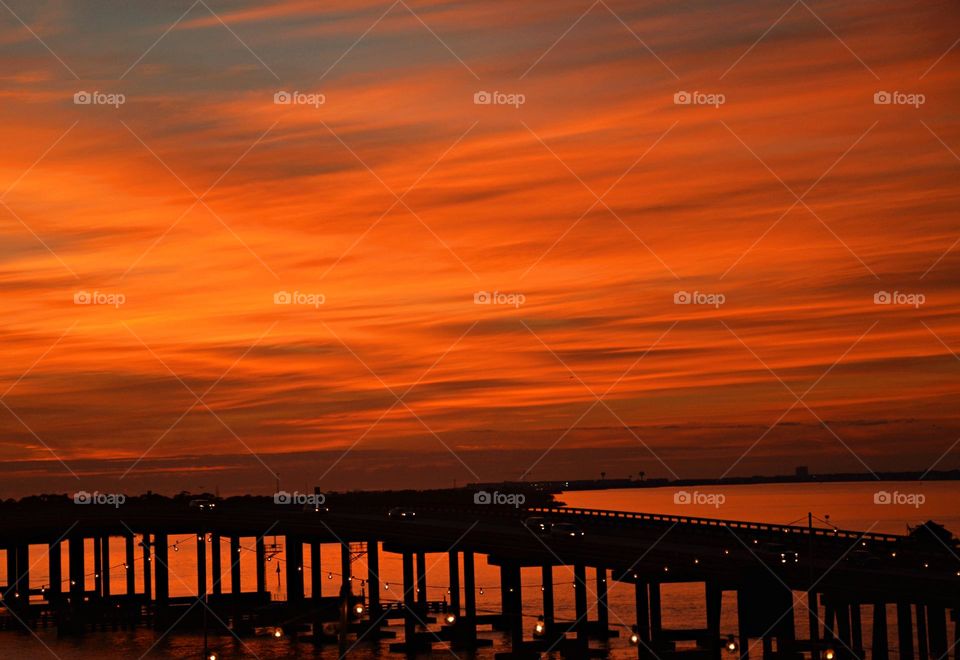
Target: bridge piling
294 575
105 566
921 615
147 569
235 582
905 630
856 630
55 571
813 617
880 644
409 617
580 602
546 572
643 620
201 566
161 575
603 611
316 572
714 604
373 579
937 629
130 564
469 637
261 561
422 580
215 567
656 613
453 561
98 565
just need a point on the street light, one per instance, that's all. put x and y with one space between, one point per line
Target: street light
539 627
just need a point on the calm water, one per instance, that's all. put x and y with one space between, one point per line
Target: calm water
845 505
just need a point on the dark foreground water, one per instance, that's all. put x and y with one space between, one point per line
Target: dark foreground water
851 506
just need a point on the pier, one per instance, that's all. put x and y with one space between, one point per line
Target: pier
834 578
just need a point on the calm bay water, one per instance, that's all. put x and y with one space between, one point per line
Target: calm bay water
848 505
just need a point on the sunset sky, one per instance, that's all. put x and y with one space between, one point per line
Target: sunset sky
186 209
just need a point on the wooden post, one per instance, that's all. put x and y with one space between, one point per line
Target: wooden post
656 613
454 564
921 631
514 604
603 611
316 572
76 554
813 617
294 569
856 631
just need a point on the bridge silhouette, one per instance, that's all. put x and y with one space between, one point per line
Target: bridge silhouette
833 577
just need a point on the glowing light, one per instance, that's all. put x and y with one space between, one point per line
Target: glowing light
277 633
539 627
829 654
451 618
731 645
358 609
329 576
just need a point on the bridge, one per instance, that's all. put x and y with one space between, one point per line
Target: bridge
834 577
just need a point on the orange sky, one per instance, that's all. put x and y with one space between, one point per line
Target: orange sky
399 198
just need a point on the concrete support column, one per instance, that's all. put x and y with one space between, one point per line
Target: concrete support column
603 610
905 630
236 584
714 596
548 606
656 612
580 602
316 572
130 563
294 569
513 604
469 595
202 566
409 604
373 578
77 571
98 565
856 631
147 569
421 579
643 620
880 644
55 571
937 628
215 565
454 564
922 648
261 566
105 565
